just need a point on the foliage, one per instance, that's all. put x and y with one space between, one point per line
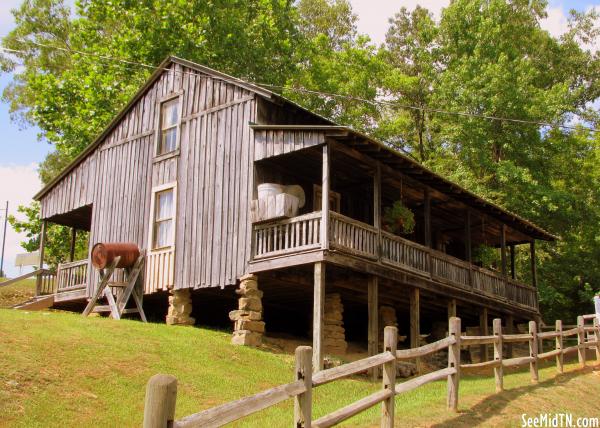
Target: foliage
398 218
58 238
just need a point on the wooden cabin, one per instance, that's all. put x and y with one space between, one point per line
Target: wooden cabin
177 172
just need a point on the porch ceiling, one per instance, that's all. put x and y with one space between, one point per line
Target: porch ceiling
80 218
362 152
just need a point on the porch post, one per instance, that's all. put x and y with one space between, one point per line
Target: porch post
510 329
513 273
451 308
415 320
468 256
373 309
377 207
38 284
484 331
72 249
427 214
318 313
503 249
325 187
533 264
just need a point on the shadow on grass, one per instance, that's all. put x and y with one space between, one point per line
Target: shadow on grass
495 403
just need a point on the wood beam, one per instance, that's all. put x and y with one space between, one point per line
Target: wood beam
513 273
451 308
72 248
325 187
318 314
533 264
484 331
503 249
41 263
509 329
468 251
427 217
415 321
373 309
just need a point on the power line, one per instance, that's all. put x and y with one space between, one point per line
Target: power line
232 79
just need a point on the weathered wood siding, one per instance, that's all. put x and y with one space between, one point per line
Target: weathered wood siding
215 186
213 171
271 143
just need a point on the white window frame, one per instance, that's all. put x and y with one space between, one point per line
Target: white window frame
156 190
159 129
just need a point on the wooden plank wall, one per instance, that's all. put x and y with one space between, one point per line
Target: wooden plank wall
271 143
213 171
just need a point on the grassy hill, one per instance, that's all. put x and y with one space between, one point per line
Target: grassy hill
16 293
60 369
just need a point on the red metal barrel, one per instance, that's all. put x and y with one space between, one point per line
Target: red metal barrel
104 253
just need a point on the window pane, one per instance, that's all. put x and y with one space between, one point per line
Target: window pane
168 141
162 234
170 113
164 205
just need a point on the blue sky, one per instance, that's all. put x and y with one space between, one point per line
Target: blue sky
21 151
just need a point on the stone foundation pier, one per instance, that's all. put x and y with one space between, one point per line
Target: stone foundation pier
248 326
180 307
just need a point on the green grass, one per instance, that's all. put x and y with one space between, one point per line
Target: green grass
16 293
60 369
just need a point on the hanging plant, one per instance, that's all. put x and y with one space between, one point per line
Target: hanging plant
398 218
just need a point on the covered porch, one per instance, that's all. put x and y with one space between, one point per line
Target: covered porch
461 251
68 281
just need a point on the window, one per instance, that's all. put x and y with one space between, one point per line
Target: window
169 126
163 221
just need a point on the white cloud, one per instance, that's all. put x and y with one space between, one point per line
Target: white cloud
556 23
373 15
18 183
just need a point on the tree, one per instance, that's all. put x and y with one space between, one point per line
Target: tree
410 51
335 59
70 87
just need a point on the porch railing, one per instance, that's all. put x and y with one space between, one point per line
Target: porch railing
72 275
287 236
354 237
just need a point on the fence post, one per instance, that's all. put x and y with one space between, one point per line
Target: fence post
498 371
533 351
159 408
390 344
580 341
454 330
559 346
597 337
303 402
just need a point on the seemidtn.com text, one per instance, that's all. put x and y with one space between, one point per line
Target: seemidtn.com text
558 420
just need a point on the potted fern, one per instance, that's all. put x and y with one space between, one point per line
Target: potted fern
398 219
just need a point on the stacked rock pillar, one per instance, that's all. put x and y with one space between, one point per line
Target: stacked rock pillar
180 308
249 327
334 334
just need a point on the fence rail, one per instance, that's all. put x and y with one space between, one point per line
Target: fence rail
161 391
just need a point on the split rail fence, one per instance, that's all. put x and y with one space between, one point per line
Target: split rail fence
161 391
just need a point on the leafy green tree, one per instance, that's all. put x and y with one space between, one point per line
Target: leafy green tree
410 51
335 59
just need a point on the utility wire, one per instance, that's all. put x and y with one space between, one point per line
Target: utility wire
231 79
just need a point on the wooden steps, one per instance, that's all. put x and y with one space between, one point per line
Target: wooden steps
37 303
